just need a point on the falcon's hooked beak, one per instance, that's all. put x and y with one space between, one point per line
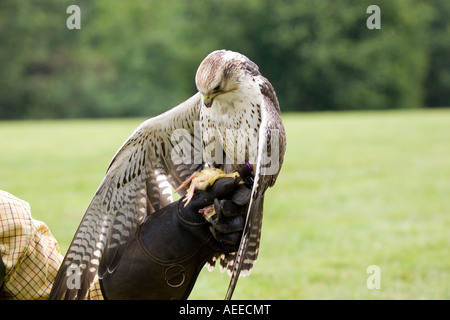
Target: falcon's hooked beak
207 101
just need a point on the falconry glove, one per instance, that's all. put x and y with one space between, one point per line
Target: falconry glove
173 243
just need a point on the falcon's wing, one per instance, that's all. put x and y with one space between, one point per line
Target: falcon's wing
139 180
271 148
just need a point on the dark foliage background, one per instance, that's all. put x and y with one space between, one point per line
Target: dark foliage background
139 58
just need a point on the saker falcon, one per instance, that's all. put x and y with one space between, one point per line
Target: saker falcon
233 119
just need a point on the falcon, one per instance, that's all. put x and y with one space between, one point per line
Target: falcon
233 119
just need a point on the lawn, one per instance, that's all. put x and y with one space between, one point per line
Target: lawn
356 189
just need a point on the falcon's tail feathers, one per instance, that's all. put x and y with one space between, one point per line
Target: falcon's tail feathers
249 247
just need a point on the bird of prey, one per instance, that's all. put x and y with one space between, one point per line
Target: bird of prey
234 118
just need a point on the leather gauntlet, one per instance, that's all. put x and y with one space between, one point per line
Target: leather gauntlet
172 244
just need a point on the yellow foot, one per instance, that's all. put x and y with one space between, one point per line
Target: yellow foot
190 193
185 183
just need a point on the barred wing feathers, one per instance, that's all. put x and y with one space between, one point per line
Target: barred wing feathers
138 182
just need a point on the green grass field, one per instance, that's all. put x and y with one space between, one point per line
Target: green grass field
356 189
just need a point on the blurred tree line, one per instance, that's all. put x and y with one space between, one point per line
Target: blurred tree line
139 58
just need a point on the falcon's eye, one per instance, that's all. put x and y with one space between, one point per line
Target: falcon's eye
216 89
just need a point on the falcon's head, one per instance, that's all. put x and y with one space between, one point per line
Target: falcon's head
221 72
